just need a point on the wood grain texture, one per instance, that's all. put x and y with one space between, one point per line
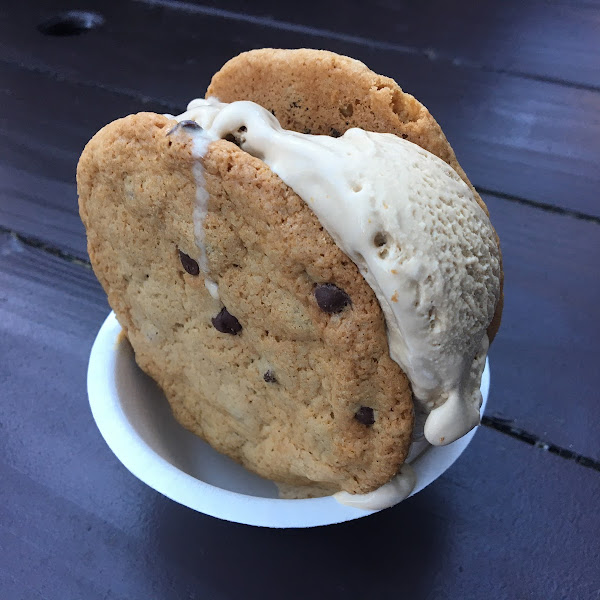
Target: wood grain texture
506 521
556 41
549 303
44 125
521 137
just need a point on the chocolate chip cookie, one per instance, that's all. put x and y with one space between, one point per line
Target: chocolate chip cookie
268 343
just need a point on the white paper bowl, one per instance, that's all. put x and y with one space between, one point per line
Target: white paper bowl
134 418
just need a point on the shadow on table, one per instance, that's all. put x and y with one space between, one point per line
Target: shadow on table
395 552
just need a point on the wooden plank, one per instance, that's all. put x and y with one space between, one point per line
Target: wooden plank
543 361
469 535
530 139
556 41
549 303
75 523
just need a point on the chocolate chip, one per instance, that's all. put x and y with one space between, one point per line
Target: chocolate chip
188 263
269 377
231 138
335 133
365 415
404 136
331 298
225 322
187 124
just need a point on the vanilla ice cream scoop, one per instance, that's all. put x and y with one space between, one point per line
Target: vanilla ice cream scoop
414 229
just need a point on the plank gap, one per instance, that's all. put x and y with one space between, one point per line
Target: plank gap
34 242
506 427
551 208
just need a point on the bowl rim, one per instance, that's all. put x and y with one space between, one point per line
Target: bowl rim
158 473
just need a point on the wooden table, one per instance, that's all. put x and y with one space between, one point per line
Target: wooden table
516 87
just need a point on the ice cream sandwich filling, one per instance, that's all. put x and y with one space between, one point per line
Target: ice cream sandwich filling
416 233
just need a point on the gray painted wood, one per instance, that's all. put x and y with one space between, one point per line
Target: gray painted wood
516 89
549 40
